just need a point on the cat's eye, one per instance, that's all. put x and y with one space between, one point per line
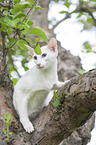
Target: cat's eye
44 55
35 57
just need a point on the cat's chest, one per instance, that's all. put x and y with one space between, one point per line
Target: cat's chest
41 83
37 80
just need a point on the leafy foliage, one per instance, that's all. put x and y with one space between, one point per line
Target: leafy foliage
85 12
88 47
17 26
7 120
58 99
81 72
37 49
40 33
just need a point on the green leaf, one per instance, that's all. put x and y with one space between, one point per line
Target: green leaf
9 31
2 20
81 72
55 95
20 6
8 117
8 124
93 0
20 15
88 51
4 130
8 139
14 80
30 41
10 22
89 20
67 4
87 46
21 44
56 103
37 50
6 13
38 7
11 41
37 39
10 133
23 62
32 2
25 27
30 23
62 12
79 15
17 1
40 33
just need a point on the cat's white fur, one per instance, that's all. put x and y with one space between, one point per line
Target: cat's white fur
32 89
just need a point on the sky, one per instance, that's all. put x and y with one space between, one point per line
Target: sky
71 38
68 33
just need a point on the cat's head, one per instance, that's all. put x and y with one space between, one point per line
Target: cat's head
48 55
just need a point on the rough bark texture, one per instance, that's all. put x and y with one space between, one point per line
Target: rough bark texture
53 124
68 67
6 89
77 105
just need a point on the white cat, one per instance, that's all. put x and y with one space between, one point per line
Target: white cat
32 89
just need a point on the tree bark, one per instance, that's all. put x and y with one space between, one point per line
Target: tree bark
56 123
77 105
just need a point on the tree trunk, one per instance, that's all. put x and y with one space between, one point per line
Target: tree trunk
53 124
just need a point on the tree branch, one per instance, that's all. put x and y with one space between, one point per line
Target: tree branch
66 17
80 8
87 9
77 105
6 5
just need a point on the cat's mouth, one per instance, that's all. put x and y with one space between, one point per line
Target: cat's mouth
40 67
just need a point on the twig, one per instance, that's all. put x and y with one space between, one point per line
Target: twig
3 44
13 44
27 14
26 41
31 10
66 17
80 8
6 5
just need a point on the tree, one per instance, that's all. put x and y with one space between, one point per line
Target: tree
55 116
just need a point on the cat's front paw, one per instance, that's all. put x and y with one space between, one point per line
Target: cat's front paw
29 127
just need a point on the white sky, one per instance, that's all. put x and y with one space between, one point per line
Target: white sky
68 33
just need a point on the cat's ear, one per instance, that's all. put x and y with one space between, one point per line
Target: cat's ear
52 44
30 49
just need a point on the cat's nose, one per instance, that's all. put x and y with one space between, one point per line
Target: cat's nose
38 64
